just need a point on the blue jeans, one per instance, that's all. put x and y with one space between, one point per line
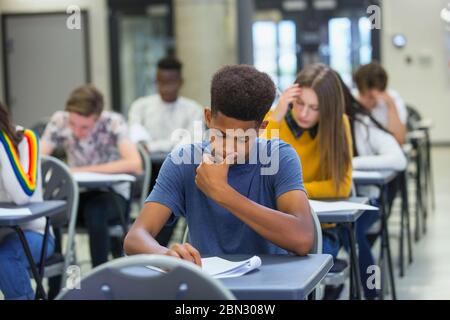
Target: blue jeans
97 211
330 241
14 277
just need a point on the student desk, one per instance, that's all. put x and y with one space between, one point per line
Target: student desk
380 179
280 277
38 210
348 220
108 181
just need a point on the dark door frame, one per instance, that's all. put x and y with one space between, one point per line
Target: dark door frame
115 9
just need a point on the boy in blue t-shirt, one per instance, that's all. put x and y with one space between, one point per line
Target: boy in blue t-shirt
240 194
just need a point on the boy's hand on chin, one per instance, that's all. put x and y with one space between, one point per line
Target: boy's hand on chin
212 178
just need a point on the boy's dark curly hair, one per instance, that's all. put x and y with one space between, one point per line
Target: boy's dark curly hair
170 63
241 92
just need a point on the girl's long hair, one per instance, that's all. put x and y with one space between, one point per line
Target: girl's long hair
335 154
8 128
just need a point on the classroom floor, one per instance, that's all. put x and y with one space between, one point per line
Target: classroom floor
428 276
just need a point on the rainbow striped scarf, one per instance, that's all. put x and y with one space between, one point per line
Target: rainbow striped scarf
28 179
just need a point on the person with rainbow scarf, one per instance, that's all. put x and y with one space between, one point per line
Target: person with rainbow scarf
20 183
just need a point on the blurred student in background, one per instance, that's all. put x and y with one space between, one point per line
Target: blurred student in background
95 140
20 183
374 148
385 105
310 117
163 113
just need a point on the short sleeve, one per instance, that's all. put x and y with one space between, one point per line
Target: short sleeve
169 189
289 176
119 128
53 134
135 114
401 107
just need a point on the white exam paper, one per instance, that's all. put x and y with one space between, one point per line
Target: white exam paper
337 206
98 177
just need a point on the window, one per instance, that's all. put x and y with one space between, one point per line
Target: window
350 45
265 47
365 48
275 50
340 40
287 60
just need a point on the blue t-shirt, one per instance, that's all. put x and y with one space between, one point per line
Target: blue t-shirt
212 229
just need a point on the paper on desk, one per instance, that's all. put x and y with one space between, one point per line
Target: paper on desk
336 206
359 174
14 212
221 268
98 177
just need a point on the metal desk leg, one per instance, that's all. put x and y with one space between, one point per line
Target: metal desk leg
355 274
404 219
418 206
402 238
40 292
126 219
424 187
405 209
44 247
430 171
385 244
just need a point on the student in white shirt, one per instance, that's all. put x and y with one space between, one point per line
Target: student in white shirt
19 188
163 113
158 119
374 148
385 105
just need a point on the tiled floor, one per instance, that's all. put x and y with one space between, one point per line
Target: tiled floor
429 275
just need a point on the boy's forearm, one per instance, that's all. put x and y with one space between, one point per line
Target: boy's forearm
139 241
396 127
283 229
119 166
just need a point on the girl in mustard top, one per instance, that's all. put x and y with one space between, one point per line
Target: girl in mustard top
310 117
